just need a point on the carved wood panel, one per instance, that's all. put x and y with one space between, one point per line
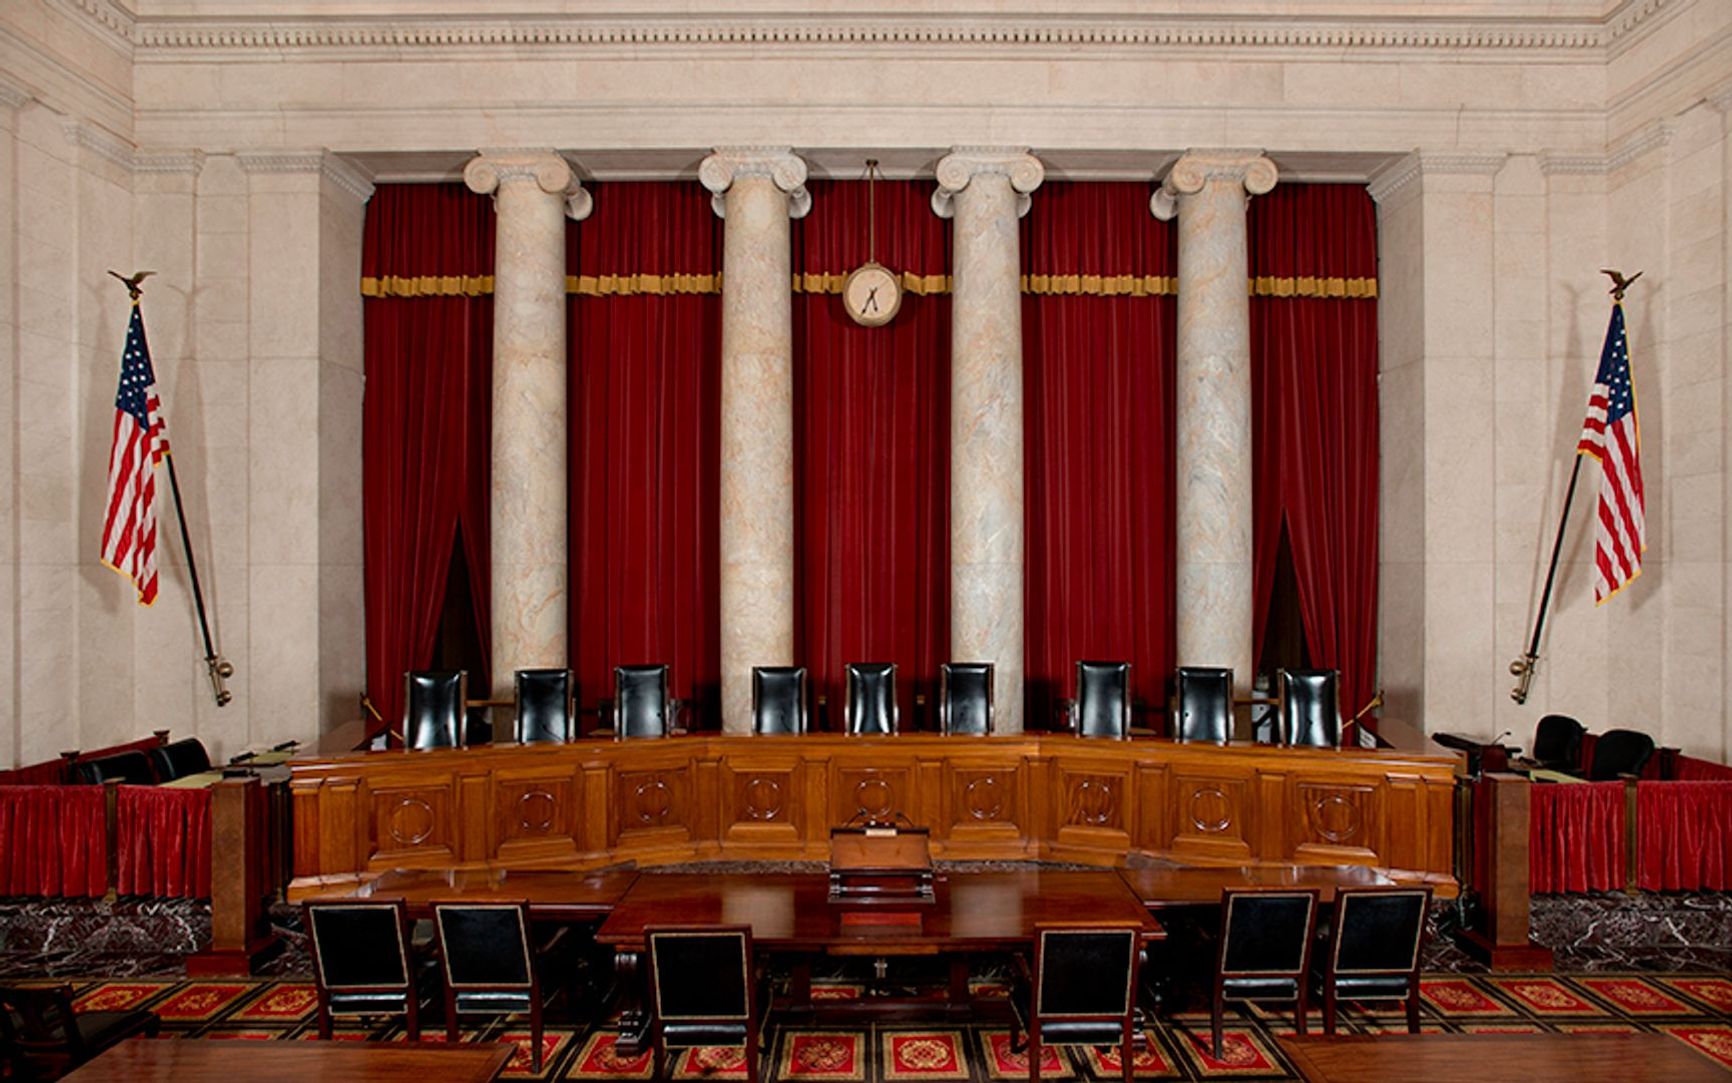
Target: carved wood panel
1093 799
982 801
1336 820
535 811
411 822
871 793
652 801
1210 815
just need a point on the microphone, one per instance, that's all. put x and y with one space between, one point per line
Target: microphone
1498 740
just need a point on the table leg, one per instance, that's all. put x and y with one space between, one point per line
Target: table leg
634 1019
800 984
959 997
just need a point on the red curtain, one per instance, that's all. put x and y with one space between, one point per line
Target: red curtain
47 773
872 446
1684 836
1313 261
645 409
1576 837
1098 321
426 264
1691 769
53 841
163 841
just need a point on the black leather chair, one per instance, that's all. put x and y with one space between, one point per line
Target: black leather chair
434 706
1082 991
1103 700
42 1037
1309 711
485 952
641 706
871 705
965 698
1558 744
361 962
1374 944
779 700
544 711
1620 752
1203 704
1265 951
131 768
703 991
178 759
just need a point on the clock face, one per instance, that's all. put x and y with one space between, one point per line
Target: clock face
872 294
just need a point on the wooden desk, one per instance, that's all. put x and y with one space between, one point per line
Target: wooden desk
197 1060
590 804
1202 885
1485 1058
551 894
791 913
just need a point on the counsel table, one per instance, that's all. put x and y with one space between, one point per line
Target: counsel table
1486 1058
199 1060
790 913
1202 885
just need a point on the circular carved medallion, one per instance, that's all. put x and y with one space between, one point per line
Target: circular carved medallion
1334 817
1210 811
652 801
410 822
1095 801
984 798
535 811
872 796
763 799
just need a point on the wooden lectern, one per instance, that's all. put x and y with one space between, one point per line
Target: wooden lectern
880 864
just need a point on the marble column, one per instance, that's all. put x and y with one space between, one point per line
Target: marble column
985 190
756 191
534 191
1207 191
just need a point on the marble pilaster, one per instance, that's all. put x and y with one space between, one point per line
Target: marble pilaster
984 190
756 190
533 193
1206 191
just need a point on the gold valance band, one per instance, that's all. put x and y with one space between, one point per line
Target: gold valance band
1080 285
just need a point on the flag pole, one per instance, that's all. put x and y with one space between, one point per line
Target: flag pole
217 667
1522 669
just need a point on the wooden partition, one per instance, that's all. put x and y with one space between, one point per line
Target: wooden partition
595 803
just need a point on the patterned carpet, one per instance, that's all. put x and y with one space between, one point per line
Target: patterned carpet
1693 1008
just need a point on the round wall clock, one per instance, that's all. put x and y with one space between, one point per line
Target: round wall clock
872 294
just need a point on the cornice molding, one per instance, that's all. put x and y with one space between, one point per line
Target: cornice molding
1393 179
168 161
339 171
114 24
1393 182
103 144
1633 147
14 97
1521 39
1585 165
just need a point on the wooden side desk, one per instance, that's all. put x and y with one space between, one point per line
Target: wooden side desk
1485 1058
200 1060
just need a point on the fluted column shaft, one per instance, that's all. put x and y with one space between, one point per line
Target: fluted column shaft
1207 191
533 192
757 190
984 190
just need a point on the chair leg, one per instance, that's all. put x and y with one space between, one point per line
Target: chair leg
1301 1009
1329 1008
1127 1052
1220 1006
324 1019
1033 1052
535 1031
412 1016
658 1054
752 1055
451 1035
1413 1007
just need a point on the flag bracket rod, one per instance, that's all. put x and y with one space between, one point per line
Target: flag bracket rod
217 668
1522 669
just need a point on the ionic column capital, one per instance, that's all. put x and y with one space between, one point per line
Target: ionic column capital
785 168
490 170
963 164
1195 169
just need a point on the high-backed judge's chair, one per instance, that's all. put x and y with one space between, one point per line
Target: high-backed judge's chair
433 708
131 767
1080 992
703 990
871 703
1558 744
178 759
1103 700
1309 711
544 712
641 706
1265 951
1203 704
965 698
1620 752
779 700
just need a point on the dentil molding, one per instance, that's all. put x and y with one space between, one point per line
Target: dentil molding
956 169
1394 181
786 170
338 170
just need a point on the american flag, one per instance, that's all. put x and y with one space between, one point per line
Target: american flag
140 442
1611 435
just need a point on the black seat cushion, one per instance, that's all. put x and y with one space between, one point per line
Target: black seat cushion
1371 987
369 1003
1309 713
131 768
1081 1032
1103 703
1261 988
1203 704
544 706
685 1035
178 759
965 698
871 697
434 706
1620 752
495 1001
779 699
640 701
